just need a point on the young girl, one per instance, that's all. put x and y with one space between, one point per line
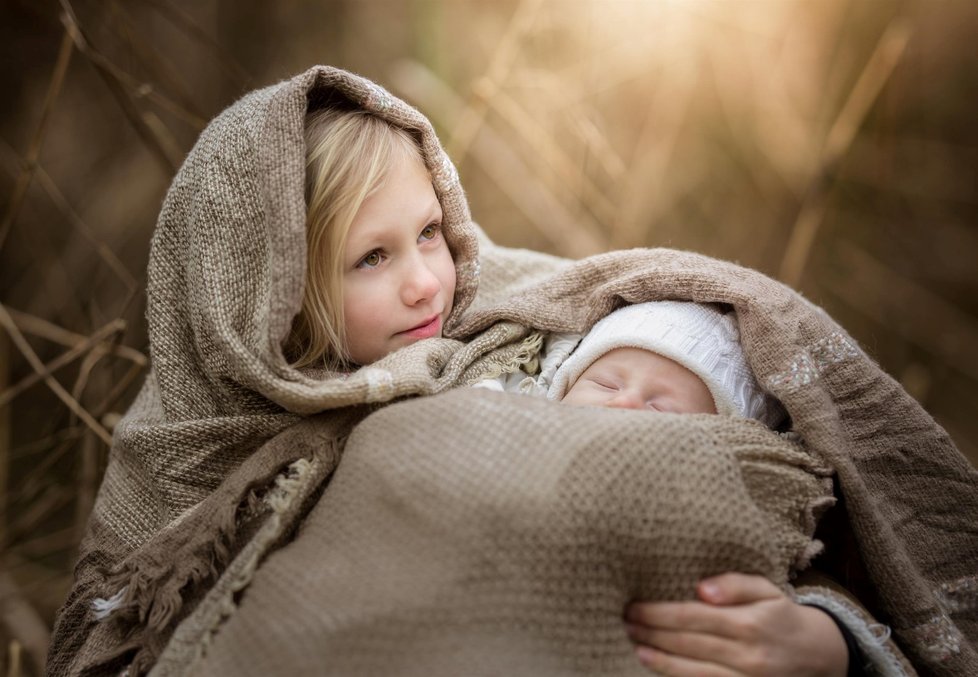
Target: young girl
316 226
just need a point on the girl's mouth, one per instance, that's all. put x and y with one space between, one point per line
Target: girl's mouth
427 329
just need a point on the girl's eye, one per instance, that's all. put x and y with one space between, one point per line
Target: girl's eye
602 383
430 232
371 260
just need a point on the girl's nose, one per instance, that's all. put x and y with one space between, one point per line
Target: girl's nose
420 283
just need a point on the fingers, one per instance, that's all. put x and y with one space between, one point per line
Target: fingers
744 625
685 616
740 621
769 635
698 647
734 588
679 666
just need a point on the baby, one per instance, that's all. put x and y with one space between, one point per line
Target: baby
667 356
676 357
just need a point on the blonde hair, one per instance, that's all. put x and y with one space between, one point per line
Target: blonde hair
348 157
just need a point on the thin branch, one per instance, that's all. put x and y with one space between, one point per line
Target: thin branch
30 519
508 49
137 89
82 347
71 434
645 198
36 326
120 387
34 150
41 544
571 235
13 659
61 202
25 349
23 622
87 485
877 72
85 370
160 70
6 452
544 146
181 19
28 489
147 125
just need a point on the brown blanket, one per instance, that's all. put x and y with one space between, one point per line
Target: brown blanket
510 542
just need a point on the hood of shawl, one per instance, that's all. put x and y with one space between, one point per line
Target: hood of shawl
228 257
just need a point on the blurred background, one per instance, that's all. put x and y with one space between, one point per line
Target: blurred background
829 143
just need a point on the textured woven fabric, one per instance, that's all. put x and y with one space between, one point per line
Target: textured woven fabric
226 447
450 544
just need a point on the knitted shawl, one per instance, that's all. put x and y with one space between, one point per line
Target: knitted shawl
191 461
227 448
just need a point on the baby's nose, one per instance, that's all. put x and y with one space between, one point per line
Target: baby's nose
625 399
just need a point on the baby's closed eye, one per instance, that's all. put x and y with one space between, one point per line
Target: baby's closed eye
604 383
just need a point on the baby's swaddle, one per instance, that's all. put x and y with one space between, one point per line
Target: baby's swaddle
509 541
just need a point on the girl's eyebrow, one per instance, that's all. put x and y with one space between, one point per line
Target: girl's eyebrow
434 208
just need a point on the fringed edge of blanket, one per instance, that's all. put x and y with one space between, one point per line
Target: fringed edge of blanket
510 359
503 348
808 519
147 596
192 637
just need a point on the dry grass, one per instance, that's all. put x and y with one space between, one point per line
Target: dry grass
828 143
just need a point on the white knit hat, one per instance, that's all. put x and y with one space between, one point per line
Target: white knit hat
698 336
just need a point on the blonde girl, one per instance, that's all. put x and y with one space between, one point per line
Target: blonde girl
315 227
379 272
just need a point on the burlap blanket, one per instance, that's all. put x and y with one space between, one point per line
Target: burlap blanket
227 447
509 543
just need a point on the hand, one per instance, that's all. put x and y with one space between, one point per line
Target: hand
744 625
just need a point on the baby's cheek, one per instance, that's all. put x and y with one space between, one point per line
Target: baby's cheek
576 397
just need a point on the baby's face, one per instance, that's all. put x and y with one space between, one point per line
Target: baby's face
632 378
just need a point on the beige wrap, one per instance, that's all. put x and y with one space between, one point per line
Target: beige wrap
509 543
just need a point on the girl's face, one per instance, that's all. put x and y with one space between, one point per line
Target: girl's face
632 378
398 275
